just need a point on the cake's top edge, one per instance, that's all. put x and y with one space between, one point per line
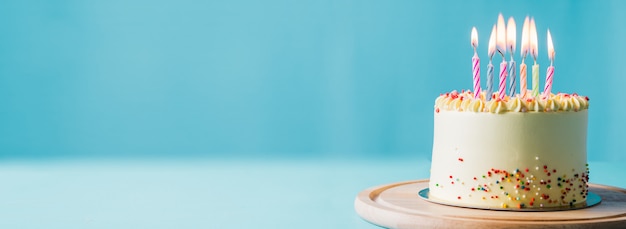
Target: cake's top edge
465 102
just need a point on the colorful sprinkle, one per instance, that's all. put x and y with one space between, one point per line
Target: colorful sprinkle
568 186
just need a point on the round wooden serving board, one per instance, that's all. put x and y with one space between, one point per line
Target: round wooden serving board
399 206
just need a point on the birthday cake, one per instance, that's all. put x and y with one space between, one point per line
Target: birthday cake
511 153
510 150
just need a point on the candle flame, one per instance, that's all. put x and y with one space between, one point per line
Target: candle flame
525 38
492 42
474 37
511 35
501 35
534 50
550 47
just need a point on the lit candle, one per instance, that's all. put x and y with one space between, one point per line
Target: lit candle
475 64
523 85
492 50
501 46
510 43
550 72
534 52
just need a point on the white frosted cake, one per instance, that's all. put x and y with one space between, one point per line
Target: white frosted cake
510 153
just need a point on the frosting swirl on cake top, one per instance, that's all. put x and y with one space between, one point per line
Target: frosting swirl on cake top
464 101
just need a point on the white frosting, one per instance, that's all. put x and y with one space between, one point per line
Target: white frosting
465 101
505 147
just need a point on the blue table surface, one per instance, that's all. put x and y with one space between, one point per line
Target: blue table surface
204 193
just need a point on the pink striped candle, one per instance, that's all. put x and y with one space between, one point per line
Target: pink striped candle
550 73
548 87
489 92
523 85
502 89
501 47
475 64
476 71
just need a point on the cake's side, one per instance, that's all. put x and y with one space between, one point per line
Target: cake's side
512 159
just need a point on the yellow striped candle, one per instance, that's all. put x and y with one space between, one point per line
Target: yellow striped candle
523 84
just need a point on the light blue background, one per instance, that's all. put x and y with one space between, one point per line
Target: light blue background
273 78
342 89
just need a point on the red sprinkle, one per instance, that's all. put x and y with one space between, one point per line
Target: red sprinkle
437 110
450 176
459 197
460 159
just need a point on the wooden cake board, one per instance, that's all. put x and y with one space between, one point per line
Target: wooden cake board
398 205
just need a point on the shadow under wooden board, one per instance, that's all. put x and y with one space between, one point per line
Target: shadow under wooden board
398 205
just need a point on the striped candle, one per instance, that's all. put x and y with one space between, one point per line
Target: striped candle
523 85
489 81
548 87
476 71
502 89
475 64
550 72
534 50
501 47
491 51
512 73
535 92
510 44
